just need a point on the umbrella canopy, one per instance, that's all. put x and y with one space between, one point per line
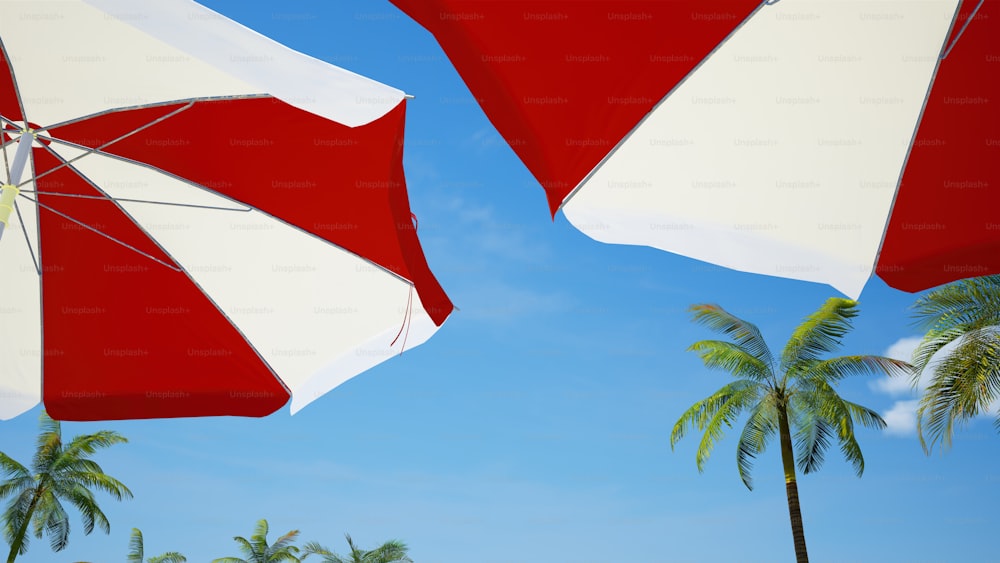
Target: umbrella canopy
200 221
814 140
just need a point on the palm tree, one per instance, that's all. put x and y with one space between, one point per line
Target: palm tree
257 550
793 393
58 473
135 552
392 551
962 320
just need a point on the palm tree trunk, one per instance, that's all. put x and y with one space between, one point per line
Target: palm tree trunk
15 546
791 488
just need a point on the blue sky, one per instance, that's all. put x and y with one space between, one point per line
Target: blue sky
533 427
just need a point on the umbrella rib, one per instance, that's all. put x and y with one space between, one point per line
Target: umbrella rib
151 105
130 200
10 123
165 173
3 144
177 268
103 234
961 31
91 151
27 239
223 195
20 103
98 231
662 101
238 202
913 138
189 104
6 163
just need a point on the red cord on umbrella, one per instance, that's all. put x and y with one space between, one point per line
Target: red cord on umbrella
406 321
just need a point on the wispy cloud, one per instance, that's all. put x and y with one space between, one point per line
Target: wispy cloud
486 138
498 301
901 418
492 236
468 211
902 349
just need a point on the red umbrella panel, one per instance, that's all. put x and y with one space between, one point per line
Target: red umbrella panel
814 140
199 221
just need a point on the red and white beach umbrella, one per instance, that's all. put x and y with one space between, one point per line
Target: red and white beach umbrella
197 220
818 140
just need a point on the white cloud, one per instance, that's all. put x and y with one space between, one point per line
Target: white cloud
901 349
895 386
901 419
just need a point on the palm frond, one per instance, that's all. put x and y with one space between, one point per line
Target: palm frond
742 397
75 462
937 414
245 546
825 404
392 551
745 334
730 357
812 438
355 550
47 428
973 302
83 500
700 413
15 514
168 557
963 384
259 536
49 443
314 548
761 425
285 541
87 444
951 311
933 343
286 555
820 333
135 554
851 450
101 481
15 486
866 416
836 369
56 522
977 359
12 470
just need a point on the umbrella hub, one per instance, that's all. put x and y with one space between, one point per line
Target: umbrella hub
15 168
13 130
